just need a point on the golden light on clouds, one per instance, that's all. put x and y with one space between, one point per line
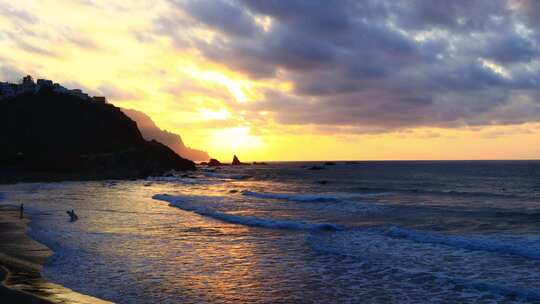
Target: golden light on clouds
150 56
236 87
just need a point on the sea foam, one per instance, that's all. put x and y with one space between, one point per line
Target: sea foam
294 197
314 198
407 260
187 203
452 193
528 248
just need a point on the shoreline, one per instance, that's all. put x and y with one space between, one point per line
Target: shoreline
21 261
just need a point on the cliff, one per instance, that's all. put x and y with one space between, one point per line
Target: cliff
51 133
150 131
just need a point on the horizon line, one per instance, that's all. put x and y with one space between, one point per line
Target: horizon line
383 160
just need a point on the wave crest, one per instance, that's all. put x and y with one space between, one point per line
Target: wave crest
185 203
530 249
312 198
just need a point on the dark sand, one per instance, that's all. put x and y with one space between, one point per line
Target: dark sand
21 261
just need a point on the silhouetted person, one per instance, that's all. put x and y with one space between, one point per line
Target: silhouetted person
21 215
72 216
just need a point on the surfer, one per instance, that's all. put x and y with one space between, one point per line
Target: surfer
72 216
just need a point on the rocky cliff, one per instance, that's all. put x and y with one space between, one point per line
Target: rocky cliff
150 130
48 133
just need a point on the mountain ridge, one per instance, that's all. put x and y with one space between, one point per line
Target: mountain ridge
150 130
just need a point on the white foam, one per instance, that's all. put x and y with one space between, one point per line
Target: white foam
321 198
405 260
528 248
293 197
186 203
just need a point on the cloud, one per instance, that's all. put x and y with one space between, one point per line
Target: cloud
9 72
348 65
115 93
20 15
222 16
380 64
32 47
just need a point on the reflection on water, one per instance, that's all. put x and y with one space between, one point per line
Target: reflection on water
408 233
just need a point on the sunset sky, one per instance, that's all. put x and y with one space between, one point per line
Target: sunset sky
299 80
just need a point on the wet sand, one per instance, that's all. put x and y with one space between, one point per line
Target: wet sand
21 261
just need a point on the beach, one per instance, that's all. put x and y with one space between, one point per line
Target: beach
21 261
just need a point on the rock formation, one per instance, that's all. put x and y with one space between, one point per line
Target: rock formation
237 162
150 130
51 133
214 163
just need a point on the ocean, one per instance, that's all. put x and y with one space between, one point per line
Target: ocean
352 232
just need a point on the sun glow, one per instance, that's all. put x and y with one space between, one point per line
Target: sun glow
235 140
207 114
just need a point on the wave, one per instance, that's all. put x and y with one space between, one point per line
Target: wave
179 179
442 192
183 203
508 291
227 176
322 198
407 261
316 198
527 249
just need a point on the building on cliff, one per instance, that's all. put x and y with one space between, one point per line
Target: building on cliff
27 85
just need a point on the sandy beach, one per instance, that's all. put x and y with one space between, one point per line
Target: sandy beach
21 261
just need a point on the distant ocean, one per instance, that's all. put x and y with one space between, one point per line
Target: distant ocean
365 232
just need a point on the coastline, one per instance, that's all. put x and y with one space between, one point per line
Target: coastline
21 261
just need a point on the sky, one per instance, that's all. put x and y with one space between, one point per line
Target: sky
299 79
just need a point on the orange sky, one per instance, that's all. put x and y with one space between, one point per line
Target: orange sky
116 49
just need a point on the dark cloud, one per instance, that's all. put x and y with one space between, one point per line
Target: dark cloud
457 15
222 16
378 64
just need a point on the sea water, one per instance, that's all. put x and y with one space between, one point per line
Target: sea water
354 232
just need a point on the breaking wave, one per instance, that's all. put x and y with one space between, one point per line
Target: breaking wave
184 203
442 192
316 198
527 249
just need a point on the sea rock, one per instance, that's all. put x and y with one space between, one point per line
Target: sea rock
214 163
260 164
237 162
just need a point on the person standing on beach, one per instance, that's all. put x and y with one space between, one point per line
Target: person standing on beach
21 215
